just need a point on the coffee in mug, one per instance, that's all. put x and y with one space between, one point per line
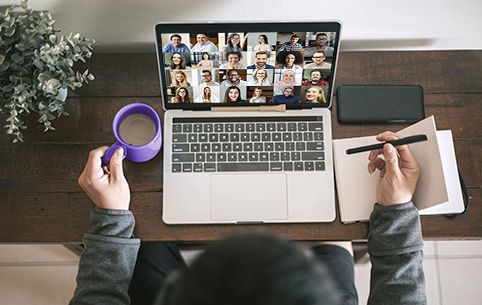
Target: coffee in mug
137 129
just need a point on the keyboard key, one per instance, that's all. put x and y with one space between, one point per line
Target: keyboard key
290 146
271 126
176 168
276 166
242 157
232 157
274 156
200 157
224 137
320 166
182 157
211 157
176 128
198 127
287 137
313 156
285 156
248 147
187 167
315 126
243 167
297 136
255 137
302 127
237 147
298 166
210 167
203 137
227 147
216 147
309 166
287 166
186 128
239 127
250 127
197 167
308 136
276 136
180 147
234 137
221 157
314 146
268 146
195 147
291 126
300 146
208 128
263 156
213 137
218 127
253 156
245 137
318 136
206 147
229 127
266 137
281 127
295 156
258 146
192 137
179 137
261 127
279 146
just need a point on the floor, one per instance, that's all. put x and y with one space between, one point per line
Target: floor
45 274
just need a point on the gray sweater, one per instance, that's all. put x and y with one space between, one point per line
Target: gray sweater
394 243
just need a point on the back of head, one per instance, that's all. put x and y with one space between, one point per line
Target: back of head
253 269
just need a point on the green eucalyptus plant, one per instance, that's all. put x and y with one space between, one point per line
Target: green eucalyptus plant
35 64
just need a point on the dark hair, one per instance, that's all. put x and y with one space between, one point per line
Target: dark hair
182 65
321 34
318 52
178 98
294 36
235 53
205 53
281 57
265 38
317 70
228 42
206 34
175 35
226 95
261 53
252 269
206 71
229 71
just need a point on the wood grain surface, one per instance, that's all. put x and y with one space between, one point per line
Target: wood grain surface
40 200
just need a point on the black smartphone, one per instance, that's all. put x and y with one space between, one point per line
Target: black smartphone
380 104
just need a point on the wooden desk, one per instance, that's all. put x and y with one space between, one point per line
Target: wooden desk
40 200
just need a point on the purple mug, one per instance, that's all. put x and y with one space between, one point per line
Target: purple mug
137 129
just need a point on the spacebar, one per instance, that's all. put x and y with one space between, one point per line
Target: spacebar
243 167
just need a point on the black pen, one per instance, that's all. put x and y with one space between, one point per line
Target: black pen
406 140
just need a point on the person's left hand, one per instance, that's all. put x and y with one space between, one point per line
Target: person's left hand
106 187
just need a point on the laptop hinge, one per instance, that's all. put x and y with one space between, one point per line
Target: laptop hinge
277 108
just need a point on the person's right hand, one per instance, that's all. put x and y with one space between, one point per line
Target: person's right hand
398 175
107 188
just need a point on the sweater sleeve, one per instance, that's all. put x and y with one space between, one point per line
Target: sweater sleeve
395 246
107 262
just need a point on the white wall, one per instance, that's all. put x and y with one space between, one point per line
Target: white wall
127 25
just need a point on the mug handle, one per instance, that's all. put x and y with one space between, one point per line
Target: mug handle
110 151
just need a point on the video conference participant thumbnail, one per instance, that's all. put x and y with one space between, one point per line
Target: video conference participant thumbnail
288 95
233 78
176 44
177 61
204 44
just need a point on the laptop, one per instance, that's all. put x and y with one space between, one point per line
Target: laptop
247 127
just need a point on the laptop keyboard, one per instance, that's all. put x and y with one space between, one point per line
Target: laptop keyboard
248 144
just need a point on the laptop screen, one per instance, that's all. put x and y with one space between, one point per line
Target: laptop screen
240 64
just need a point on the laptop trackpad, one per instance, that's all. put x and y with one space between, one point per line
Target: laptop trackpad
250 197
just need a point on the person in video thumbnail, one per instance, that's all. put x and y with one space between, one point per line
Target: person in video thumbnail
233 44
182 96
287 97
207 97
233 59
204 44
234 79
178 62
206 62
318 61
259 78
179 79
321 45
316 80
289 60
258 96
233 95
291 45
261 61
287 79
207 78
315 95
263 44
175 45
